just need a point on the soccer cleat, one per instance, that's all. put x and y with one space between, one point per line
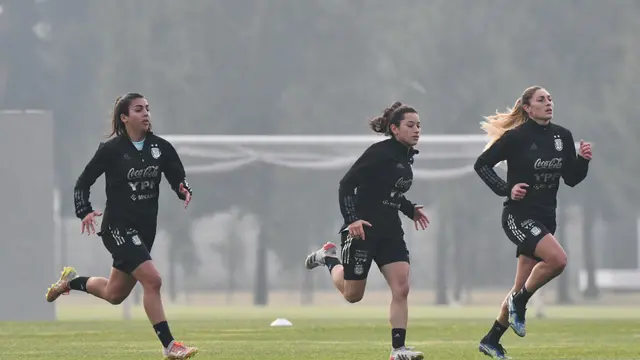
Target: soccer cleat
495 351
61 287
516 316
178 351
316 258
406 353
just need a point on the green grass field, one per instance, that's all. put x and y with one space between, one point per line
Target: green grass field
339 332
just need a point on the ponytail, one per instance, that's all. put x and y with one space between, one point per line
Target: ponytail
496 125
121 107
117 126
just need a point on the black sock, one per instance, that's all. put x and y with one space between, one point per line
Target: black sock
163 332
397 337
495 333
523 295
331 262
79 283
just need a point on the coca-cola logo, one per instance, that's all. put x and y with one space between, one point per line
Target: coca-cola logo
148 172
555 163
403 185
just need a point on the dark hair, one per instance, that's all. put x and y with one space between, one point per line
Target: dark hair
391 116
121 107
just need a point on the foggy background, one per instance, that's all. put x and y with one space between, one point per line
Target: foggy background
258 67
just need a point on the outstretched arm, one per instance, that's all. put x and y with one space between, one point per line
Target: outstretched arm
576 167
486 162
92 171
407 207
174 172
350 182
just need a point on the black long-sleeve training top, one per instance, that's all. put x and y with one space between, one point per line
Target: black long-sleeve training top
538 155
373 189
132 180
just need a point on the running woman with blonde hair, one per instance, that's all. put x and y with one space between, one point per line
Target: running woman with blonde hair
538 154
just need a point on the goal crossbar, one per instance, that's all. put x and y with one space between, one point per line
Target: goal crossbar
312 139
226 153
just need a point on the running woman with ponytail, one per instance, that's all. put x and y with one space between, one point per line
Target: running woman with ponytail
370 195
133 162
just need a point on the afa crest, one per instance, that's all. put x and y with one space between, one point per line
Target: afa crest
557 142
136 240
359 269
155 151
535 231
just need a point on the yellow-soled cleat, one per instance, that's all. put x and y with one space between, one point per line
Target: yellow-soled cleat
61 287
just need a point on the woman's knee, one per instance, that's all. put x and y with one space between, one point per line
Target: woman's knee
558 261
353 296
152 283
117 293
552 253
397 276
116 299
400 290
148 276
118 287
354 290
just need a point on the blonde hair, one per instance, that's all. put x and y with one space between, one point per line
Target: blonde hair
496 125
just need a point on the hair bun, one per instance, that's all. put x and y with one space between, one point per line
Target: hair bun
388 112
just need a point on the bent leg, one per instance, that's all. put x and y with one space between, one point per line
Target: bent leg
554 261
353 290
357 256
523 271
490 343
114 289
349 269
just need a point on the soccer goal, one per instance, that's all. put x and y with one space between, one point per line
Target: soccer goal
447 156
441 158
451 154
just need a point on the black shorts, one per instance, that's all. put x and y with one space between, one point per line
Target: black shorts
358 254
128 247
526 230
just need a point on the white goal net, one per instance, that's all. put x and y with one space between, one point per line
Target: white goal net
441 156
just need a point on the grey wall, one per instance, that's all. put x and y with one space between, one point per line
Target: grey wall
27 255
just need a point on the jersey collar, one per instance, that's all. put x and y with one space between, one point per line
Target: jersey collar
402 148
534 125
